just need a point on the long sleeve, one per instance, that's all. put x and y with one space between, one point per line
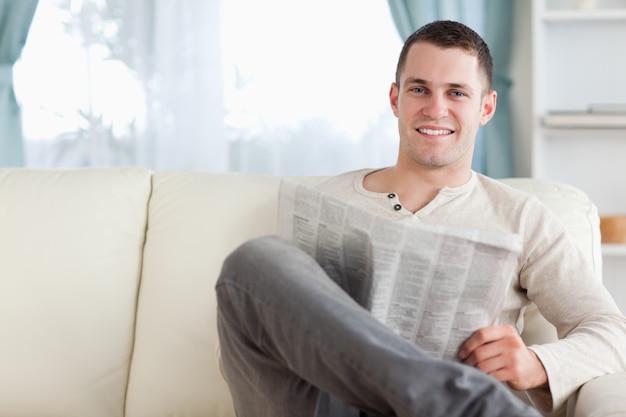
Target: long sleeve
591 329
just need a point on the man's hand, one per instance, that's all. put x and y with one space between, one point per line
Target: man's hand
500 352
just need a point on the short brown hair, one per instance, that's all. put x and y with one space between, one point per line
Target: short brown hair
450 34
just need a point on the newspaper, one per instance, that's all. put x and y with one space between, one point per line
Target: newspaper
433 285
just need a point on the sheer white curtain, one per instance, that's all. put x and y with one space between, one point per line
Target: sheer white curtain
175 50
109 82
307 85
277 87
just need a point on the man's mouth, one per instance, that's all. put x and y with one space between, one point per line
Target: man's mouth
435 132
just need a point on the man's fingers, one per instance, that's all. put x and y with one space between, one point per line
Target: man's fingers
483 337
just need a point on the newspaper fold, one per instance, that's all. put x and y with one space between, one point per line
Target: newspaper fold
433 285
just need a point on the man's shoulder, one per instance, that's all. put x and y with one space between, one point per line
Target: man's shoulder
344 182
506 197
502 189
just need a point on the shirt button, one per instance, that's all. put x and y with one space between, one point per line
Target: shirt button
391 195
397 207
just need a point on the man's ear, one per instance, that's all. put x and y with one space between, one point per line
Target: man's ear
393 98
488 108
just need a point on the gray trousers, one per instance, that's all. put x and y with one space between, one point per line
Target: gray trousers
295 344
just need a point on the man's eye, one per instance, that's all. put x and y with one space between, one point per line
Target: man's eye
417 90
458 93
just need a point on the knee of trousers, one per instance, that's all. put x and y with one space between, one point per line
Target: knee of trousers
260 272
261 259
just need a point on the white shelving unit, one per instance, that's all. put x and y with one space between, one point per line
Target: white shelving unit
556 15
614 249
571 59
579 59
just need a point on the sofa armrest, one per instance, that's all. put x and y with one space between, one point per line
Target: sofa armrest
600 397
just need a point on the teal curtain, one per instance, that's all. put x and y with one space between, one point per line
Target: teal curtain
493 20
15 19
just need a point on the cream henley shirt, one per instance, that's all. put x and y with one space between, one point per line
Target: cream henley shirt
551 272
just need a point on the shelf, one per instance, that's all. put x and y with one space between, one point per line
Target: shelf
614 249
569 15
553 132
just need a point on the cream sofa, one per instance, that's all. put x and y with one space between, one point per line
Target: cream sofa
106 288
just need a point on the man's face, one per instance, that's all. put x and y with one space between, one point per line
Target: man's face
440 104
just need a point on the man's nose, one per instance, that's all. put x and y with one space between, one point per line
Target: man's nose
436 107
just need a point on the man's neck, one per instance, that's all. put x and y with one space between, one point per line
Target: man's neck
415 187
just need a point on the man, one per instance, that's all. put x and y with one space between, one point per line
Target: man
295 344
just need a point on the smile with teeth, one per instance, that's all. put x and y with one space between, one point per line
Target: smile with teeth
434 132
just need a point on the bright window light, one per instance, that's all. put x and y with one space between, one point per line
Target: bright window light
298 79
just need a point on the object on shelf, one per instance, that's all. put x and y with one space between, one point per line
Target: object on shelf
608 108
585 119
584 4
613 229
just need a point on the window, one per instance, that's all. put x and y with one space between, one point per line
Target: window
278 87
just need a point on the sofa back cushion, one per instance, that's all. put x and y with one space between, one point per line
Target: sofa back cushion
196 219
70 257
